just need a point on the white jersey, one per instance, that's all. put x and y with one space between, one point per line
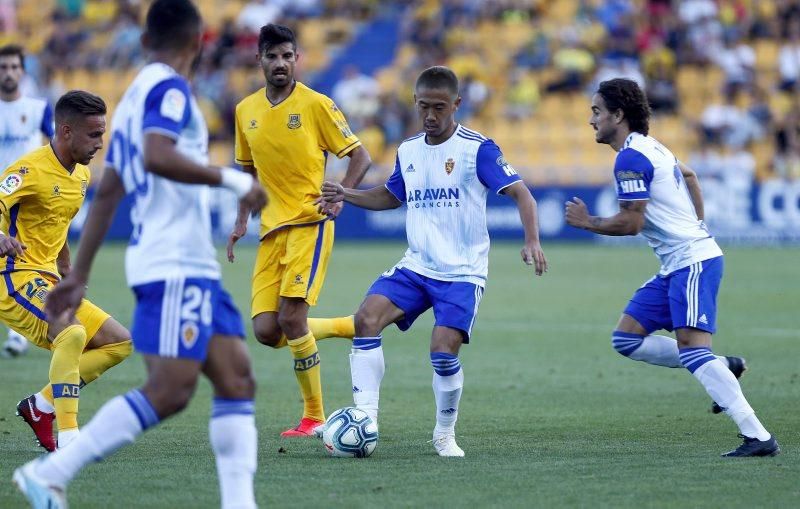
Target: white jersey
22 124
646 170
444 188
171 221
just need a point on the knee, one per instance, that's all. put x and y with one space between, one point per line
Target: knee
292 324
626 343
168 401
121 350
267 334
241 386
367 324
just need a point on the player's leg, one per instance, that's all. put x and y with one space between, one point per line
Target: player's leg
305 258
455 307
169 387
395 297
693 303
231 428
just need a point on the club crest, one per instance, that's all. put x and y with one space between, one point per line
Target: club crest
294 121
449 165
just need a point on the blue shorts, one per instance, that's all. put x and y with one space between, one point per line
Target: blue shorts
177 317
684 298
455 303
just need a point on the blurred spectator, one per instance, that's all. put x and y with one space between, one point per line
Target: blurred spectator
8 16
574 64
728 125
787 141
393 118
789 57
124 48
474 95
737 60
703 28
357 95
523 96
618 68
258 13
536 53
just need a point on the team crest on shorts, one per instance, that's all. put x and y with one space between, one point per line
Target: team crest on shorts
449 165
294 121
189 334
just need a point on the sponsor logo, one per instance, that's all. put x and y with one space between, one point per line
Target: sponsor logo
355 390
629 175
307 363
437 197
703 319
334 108
410 169
41 294
34 417
66 391
84 186
507 168
173 105
11 183
23 119
449 165
344 128
253 124
449 411
23 170
632 186
294 121
56 190
298 279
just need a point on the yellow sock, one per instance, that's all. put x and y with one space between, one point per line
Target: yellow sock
65 375
95 362
323 328
307 370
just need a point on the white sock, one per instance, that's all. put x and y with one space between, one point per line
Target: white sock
447 392
366 371
235 444
43 405
67 436
117 423
723 388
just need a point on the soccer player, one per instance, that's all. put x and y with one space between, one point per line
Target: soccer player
443 176
284 133
184 323
40 193
23 121
660 198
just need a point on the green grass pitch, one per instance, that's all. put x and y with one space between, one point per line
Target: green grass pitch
551 416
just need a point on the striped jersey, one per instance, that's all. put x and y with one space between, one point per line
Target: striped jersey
22 124
444 188
171 220
646 170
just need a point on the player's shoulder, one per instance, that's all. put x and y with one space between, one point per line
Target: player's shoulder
34 103
252 100
470 137
413 140
308 94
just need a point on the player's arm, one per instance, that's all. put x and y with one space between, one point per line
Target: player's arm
360 161
532 253
63 260
693 185
67 294
242 215
628 221
376 198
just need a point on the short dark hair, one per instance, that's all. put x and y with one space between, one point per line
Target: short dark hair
626 95
10 50
438 77
171 24
78 103
273 35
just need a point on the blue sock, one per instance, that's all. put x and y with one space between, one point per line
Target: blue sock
445 364
366 343
693 358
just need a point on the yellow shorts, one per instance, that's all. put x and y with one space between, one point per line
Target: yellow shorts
291 263
22 296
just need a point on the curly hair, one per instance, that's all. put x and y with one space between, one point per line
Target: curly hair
624 94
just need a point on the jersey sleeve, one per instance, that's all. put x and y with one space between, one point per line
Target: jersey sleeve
167 108
242 152
48 126
15 184
396 185
493 170
633 173
334 132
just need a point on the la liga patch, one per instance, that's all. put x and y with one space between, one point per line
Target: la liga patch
11 183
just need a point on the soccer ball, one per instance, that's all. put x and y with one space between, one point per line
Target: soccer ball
350 433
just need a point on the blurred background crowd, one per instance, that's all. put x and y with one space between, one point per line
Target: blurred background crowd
722 76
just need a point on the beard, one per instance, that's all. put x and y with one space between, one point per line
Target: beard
9 87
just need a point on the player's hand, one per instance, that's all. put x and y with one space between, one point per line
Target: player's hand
9 246
331 209
532 254
576 213
332 192
239 231
255 199
64 299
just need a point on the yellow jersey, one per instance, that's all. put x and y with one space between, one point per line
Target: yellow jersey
38 199
288 144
